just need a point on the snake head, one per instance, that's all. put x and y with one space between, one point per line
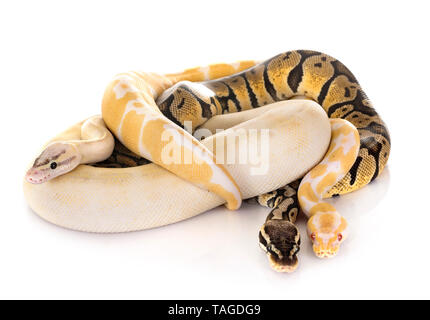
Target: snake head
280 239
327 231
57 159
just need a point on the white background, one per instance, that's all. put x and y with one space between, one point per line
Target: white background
56 58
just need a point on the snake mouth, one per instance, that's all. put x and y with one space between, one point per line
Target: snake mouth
35 177
324 252
287 265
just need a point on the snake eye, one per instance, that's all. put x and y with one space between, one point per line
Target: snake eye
313 236
53 165
339 237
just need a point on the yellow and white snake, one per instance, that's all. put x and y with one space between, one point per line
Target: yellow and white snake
146 112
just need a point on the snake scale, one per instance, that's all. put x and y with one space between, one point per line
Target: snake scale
139 108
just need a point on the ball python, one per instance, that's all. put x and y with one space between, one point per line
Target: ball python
105 198
139 108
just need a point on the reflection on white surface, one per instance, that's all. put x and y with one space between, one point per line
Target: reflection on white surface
221 242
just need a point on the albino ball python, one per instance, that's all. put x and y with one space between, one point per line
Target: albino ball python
146 113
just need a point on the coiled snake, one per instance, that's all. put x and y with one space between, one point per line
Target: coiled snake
140 108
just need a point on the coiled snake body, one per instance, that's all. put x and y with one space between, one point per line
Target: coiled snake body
357 153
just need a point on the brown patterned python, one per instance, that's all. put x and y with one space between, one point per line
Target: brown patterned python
358 151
